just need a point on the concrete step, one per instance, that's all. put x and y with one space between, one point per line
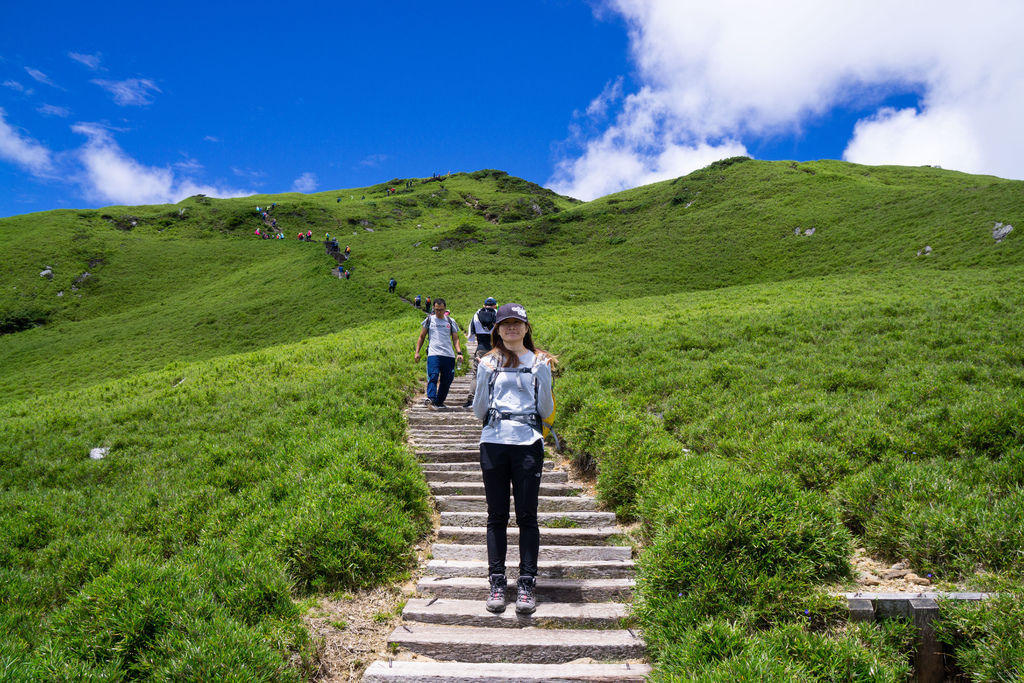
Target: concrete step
551 520
451 455
468 488
560 477
533 645
544 503
548 590
548 614
546 569
549 465
477 552
459 672
478 535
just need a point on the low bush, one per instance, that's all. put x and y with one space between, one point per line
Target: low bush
725 543
985 638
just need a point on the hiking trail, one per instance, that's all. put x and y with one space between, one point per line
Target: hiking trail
584 585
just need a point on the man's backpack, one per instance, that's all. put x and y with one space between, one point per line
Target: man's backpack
487 318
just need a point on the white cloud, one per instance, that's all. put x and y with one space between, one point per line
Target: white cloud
732 69
940 137
54 110
210 138
111 175
14 85
129 92
23 150
305 183
39 76
374 160
91 61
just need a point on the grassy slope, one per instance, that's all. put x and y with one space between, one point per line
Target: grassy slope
816 360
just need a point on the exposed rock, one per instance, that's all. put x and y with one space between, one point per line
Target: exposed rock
368 229
902 564
927 251
919 580
1000 231
796 231
47 273
60 293
82 278
417 244
98 453
869 579
895 573
809 231
434 248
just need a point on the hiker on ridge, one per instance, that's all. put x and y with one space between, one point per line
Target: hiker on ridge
391 285
480 329
442 352
512 397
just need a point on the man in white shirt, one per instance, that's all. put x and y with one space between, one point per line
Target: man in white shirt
442 351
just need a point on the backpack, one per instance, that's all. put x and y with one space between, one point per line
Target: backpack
535 420
487 318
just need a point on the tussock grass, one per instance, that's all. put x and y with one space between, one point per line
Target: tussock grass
757 399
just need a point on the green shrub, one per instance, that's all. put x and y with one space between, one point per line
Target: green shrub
728 544
946 516
985 638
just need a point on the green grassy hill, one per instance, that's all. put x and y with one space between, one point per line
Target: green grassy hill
755 357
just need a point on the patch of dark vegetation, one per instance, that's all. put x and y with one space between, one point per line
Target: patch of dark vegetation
126 222
306 216
461 237
511 184
23 317
534 233
361 222
526 208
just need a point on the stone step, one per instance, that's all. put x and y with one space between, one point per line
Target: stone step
550 520
560 477
451 455
533 645
459 672
478 535
548 614
549 465
546 569
477 552
548 590
544 503
468 488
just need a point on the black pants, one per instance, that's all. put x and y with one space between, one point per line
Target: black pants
519 467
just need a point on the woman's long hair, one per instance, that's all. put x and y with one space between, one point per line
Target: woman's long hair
507 359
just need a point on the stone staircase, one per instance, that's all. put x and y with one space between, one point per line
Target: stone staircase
584 586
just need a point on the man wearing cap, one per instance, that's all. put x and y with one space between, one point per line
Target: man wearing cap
480 329
441 353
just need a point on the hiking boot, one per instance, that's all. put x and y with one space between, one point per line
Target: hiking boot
526 600
496 596
469 402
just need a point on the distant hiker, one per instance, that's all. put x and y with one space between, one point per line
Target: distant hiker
348 274
338 200
442 352
480 329
301 236
328 238
309 235
426 304
513 396
257 233
391 285
417 300
348 250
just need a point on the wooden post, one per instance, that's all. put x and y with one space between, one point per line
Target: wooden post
930 666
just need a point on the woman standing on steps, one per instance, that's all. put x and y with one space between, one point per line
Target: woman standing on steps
512 395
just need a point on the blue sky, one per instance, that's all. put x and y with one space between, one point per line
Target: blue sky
134 103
